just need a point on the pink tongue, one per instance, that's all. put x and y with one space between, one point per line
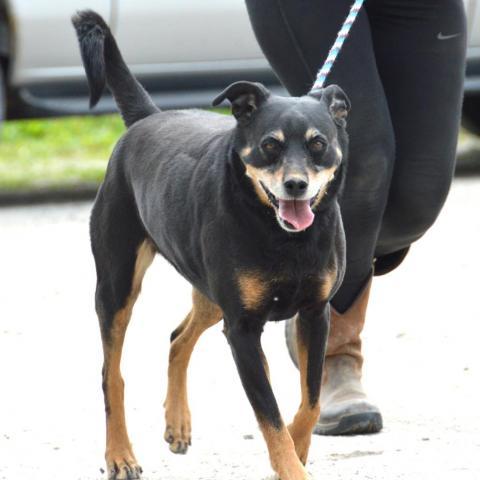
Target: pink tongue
296 212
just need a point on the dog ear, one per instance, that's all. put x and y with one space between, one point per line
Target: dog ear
337 102
245 98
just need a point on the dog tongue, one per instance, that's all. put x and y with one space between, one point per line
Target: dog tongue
296 212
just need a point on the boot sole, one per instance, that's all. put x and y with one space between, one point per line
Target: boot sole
356 424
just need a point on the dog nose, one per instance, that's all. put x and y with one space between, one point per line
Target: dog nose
295 186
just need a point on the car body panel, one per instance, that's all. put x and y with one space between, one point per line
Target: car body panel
185 32
156 38
45 46
183 50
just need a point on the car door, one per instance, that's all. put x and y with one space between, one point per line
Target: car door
186 36
46 48
473 19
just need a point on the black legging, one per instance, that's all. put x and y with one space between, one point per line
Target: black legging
402 67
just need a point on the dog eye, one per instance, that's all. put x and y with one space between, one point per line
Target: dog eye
271 146
317 144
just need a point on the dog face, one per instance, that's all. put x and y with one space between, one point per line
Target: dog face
290 146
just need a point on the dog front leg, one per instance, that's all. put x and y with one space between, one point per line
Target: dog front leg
204 314
312 333
251 364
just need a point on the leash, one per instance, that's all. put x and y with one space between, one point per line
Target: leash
337 46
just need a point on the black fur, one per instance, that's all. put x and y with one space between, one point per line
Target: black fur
103 63
179 179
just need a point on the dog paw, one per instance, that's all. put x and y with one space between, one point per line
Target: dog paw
305 476
292 469
301 440
178 430
179 439
121 468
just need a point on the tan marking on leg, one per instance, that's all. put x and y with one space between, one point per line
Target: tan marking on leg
145 256
253 289
266 366
181 327
327 283
119 455
203 315
281 450
307 415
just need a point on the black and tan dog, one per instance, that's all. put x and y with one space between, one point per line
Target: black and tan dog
245 207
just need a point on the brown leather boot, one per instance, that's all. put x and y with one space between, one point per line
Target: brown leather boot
344 408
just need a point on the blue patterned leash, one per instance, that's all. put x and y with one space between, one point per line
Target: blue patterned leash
335 50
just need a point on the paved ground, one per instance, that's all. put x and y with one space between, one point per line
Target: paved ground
423 363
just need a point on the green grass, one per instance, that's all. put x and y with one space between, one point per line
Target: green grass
56 153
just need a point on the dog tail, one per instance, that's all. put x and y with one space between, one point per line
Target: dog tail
103 63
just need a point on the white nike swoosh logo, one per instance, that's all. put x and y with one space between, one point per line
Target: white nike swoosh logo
441 36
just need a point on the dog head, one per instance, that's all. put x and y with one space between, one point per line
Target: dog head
291 147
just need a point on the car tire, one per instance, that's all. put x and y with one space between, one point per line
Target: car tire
471 114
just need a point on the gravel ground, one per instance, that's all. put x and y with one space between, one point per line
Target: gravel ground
422 363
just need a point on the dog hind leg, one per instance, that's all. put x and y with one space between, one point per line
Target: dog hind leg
203 315
122 255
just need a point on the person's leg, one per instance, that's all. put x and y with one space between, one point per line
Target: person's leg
296 35
420 51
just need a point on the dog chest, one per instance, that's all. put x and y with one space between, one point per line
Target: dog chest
277 297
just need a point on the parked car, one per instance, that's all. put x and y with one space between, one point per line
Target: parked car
184 52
